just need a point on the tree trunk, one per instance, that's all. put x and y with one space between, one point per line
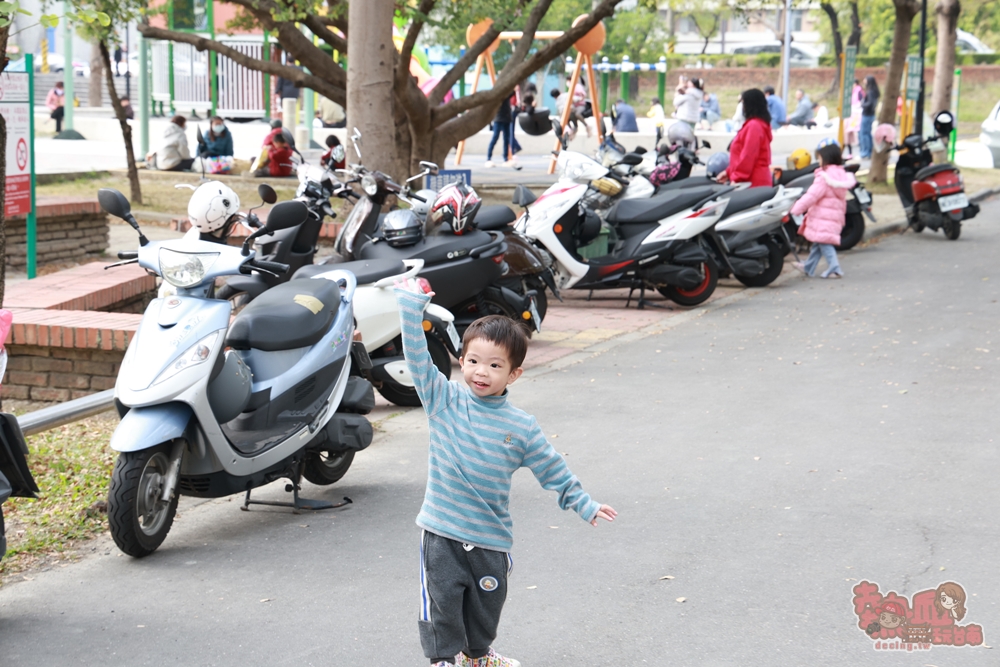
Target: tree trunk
370 84
905 11
95 97
855 38
838 48
4 32
944 65
133 172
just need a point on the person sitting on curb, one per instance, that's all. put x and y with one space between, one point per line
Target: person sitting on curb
335 156
803 114
775 107
174 154
279 159
625 117
218 140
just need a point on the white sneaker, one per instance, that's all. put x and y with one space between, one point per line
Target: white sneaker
489 164
491 659
513 163
799 266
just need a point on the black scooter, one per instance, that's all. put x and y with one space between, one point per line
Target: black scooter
15 477
859 205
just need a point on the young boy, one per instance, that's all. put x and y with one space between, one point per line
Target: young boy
477 441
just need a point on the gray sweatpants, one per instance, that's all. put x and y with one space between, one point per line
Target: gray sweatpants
462 592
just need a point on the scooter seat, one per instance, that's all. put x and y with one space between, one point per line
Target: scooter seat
930 170
494 218
432 249
295 314
366 271
638 211
750 198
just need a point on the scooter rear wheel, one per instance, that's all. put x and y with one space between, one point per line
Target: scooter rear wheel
325 468
696 295
407 396
138 519
853 232
952 229
775 262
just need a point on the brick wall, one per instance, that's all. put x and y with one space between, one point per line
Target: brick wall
67 230
58 374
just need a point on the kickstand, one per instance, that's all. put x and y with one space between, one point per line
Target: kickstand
643 302
298 504
590 295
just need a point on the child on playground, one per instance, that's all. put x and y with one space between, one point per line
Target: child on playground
825 205
477 441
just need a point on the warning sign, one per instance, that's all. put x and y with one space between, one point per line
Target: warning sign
16 109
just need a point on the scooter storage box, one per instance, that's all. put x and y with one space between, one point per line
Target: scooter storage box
345 432
358 396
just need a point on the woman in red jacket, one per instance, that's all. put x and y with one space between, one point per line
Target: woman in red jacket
750 152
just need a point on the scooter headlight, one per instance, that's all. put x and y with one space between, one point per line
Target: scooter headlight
185 269
194 355
369 184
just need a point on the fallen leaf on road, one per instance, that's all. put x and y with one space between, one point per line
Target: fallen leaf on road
941 569
666 576
681 599
788 508
756 458
531 588
814 470
266 600
553 526
140 626
903 391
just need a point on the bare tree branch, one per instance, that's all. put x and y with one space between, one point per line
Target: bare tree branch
528 36
463 65
317 24
331 87
406 51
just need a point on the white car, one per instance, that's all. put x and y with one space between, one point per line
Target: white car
990 136
801 56
968 43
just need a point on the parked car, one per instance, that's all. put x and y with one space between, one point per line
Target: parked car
990 136
801 56
57 63
968 43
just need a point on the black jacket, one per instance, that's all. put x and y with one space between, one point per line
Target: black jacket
869 102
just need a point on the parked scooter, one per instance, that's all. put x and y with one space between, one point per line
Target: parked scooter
211 407
377 316
15 476
933 195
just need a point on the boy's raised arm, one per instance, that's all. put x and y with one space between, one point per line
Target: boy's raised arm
431 385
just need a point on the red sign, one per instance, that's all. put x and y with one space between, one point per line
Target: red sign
18 196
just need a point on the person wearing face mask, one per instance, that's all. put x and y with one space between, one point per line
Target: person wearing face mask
218 140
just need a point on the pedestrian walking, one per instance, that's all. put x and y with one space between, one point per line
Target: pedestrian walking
118 59
477 441
687 100
56 101
501 128
868 105
825 205
852 125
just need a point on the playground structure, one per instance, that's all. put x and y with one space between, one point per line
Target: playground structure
587 46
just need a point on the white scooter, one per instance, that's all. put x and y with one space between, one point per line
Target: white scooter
211 407
377 316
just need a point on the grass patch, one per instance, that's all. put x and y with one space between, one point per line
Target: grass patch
975 180
160 195
72 465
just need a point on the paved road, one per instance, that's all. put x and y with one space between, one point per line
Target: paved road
767 454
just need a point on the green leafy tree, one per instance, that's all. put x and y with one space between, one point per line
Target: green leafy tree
426 127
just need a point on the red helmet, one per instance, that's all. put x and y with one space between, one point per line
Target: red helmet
455 205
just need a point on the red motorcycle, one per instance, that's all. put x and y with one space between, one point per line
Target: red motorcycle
933 195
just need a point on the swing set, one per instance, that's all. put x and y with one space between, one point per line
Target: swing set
587 46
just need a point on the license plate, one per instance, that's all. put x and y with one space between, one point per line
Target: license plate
534 315
453 335
862 196
953 202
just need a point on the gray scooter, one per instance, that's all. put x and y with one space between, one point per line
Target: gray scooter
212 407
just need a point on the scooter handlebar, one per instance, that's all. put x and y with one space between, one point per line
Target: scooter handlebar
128 254
413 267
276 268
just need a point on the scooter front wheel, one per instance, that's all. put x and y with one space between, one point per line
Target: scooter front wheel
138 518
775 262
952 229
407 396
698 294
853 232
325 468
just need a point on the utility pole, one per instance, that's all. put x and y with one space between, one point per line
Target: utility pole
919 126
68 97
786 55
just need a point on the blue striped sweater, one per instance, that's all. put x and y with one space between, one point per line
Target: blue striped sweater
476 444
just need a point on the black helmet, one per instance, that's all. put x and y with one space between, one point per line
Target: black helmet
402 228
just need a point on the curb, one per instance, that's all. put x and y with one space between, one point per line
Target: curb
900 226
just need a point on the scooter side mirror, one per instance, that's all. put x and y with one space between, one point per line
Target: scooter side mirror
431 168
944 123
631 159
285 215
267 193
114 202
523 196
705 144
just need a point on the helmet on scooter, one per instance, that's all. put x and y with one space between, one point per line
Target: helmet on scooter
717 164
211 206
799 159
455 206
402 228
681 134
884 137
829 141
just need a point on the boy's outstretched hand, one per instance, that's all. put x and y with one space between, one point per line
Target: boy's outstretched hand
607 512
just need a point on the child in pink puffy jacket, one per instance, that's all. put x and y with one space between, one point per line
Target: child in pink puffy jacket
825 205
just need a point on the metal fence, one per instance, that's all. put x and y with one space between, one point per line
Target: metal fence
192 87
241 91
160 52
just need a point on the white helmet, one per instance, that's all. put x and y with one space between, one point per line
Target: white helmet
211 206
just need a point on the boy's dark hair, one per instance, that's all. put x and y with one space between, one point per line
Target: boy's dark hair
279 139
332 140
503 331
831 154
528 101
554 93
769 90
